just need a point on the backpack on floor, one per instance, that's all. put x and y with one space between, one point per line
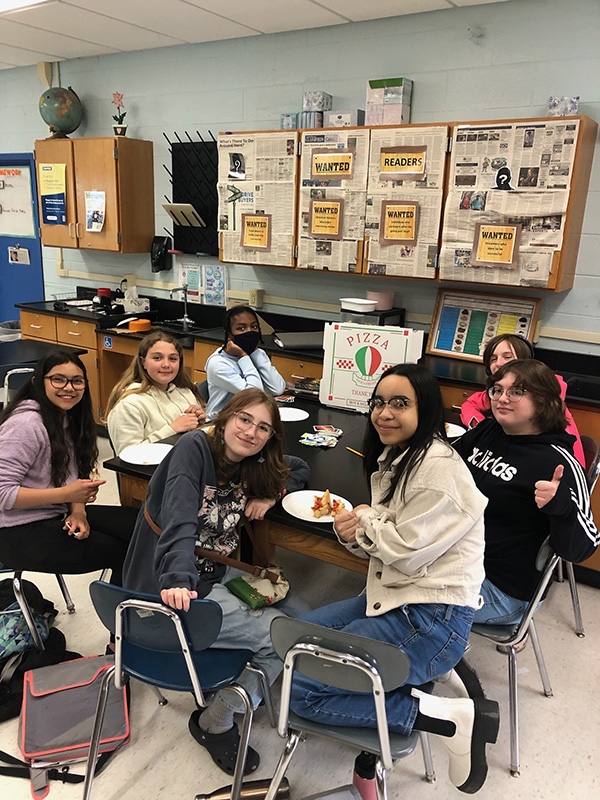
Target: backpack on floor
57 716
15 635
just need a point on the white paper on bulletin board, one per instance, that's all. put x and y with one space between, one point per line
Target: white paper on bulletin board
190 274
355 357
16 202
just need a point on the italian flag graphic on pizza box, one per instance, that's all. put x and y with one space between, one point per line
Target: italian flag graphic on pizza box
355 357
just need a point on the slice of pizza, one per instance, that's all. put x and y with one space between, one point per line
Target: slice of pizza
322 505
337 506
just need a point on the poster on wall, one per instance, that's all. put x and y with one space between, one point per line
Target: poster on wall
53 193
404 200
331 214
16 202
355 357
464 322
256 190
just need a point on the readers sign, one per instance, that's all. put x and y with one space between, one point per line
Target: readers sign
405 162
355 357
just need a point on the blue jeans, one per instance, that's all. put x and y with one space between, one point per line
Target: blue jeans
498 608
433 635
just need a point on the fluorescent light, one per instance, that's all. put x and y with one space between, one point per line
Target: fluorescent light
14 5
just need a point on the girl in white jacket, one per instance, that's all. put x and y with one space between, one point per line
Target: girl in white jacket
423 535
155 398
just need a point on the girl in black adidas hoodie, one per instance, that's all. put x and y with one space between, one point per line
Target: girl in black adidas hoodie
522 461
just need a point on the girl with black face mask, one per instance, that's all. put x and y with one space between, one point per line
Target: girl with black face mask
240 363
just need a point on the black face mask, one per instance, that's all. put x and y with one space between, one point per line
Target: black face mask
248 341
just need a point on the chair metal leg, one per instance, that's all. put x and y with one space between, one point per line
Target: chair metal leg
65 593
539 657
26 611
96 732
575 600
559 572
427 757
515 767
162 700
105 574
266 692
240 763
284 760
380 783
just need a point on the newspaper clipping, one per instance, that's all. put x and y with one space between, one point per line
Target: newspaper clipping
256 187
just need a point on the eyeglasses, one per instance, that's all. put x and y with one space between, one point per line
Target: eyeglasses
514 393
60 381
397 403
245 421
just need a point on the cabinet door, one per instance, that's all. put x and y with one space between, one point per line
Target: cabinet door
455 394
292 368
135 176
38 326
58 151
96 171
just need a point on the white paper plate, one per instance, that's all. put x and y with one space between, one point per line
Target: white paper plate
454 431
289 414
299 504
145 454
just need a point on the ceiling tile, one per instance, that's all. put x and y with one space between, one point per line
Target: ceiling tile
358 10
181 20
18 57
272 16
17 35
89 26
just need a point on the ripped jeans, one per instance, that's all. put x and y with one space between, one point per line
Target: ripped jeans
433 635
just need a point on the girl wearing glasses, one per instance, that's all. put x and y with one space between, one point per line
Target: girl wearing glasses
423 535
499 351
196 497
522 460
155 398
47 454
240 363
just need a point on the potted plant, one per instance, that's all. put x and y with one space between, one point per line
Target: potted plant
119 129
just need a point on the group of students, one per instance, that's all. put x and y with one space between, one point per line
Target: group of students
451 532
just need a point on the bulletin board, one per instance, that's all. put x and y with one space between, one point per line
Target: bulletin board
464 322
257 190
508 174
333 183
406 168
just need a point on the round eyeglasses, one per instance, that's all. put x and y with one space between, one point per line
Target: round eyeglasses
60 381
514 393
396 403
245 421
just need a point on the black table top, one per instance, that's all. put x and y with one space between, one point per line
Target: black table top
28 351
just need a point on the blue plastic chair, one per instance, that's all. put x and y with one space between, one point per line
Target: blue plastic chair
170 649
349 662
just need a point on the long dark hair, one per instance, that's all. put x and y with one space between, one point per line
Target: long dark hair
261 479
544 388
431 426
235 311
80 419
135 372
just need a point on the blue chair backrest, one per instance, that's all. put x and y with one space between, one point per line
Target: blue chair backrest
391 661
154 630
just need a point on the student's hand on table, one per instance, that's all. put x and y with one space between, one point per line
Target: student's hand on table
234 350
198 411
545 490
256 509
77 525
346 523
185 422
178 598
81 491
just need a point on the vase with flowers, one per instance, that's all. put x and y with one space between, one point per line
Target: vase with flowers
119 129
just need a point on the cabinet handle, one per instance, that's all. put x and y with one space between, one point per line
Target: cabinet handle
456 408
77 224
71 226
72 333
31 325
301 365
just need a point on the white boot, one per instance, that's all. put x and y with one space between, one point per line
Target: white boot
476 723
452 683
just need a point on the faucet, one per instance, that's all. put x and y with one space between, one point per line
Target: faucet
186 320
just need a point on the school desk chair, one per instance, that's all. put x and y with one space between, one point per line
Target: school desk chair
170 649
355 664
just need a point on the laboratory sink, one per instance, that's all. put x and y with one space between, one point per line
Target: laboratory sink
586 388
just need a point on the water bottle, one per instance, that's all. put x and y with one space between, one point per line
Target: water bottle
364 775
251 790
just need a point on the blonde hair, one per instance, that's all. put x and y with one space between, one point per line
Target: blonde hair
135 373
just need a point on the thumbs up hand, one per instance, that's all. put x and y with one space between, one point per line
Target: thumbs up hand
545 490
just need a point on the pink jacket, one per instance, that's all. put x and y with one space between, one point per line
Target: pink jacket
471 413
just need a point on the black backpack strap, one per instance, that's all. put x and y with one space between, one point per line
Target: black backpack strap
19 769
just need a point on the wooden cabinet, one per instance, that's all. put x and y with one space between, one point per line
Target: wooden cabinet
123 169
455 394
71 332
588 423
292 368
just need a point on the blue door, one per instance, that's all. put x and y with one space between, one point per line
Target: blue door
20 282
